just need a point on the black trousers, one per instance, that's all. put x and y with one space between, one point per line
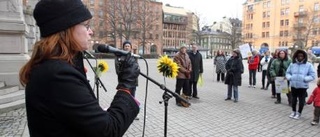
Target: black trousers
220 75
184 85
273 88
252 77
193 88
298 93
289 96
263 80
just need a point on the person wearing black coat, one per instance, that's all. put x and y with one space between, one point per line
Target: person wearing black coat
197 69
59 99
234 67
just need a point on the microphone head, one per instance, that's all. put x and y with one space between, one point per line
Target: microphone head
103 48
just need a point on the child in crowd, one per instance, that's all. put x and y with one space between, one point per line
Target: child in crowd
315 98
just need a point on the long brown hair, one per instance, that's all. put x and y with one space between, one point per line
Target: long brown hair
61 46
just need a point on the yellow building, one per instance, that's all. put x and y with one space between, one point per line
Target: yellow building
281 23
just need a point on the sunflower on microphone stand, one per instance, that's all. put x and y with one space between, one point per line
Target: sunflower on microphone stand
167 67
102 67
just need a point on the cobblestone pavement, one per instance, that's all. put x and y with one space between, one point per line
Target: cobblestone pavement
12 124
254 115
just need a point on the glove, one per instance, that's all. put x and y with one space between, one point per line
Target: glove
128 72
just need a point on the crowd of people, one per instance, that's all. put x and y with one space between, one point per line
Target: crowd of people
298 71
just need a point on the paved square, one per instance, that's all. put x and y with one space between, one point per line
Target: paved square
254 115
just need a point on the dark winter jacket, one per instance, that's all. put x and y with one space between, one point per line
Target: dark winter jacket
234 68
61 103
279 66
197 65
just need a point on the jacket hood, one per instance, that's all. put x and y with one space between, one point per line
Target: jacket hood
294 58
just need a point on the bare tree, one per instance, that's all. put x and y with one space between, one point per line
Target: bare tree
120 18
234 36
147 20
195 35
111 20
305 24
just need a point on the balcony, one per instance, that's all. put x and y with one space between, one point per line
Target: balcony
299 25
300 14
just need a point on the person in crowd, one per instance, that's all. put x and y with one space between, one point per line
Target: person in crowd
234 68
271 80
220 61
197 69
299 73
260 58
127 46
253 62
59 99
264 63
315 98
185 68
278 68
312 59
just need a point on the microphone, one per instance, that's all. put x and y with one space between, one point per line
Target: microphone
109 49
88 54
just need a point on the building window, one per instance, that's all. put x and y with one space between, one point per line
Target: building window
316 6
287 11
268 24
316 19
281 34
301 9
287 22
281 22
267 34
100 13
250 7
153 49
286 33
92 11
263 34
282 12
263 24
101 2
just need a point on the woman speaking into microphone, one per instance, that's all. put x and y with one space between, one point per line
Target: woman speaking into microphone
59 100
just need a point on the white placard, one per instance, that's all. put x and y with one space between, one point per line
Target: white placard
245 50
281 85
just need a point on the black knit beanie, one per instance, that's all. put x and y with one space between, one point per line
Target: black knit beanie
126 42
53 16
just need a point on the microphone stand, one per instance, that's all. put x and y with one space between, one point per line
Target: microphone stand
166 96
97 80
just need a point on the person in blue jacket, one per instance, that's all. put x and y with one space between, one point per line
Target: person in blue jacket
299 73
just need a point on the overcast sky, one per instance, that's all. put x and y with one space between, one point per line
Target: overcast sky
210 10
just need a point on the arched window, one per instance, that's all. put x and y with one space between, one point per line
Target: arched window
153 49
140 50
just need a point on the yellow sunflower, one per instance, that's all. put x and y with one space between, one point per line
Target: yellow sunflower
167 66
102 67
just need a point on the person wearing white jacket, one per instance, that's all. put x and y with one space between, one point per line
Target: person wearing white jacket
264 63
